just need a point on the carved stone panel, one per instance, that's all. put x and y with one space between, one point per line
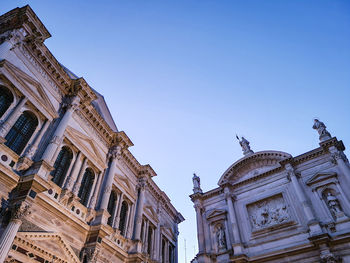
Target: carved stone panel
268 212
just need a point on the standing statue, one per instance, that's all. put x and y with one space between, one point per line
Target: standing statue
196 184
321 129
245 145
220 235
333 204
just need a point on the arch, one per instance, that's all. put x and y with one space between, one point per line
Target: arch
86 186
20 133
6 99
123 214
111 207
61 165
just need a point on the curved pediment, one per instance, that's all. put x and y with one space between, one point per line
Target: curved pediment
252 165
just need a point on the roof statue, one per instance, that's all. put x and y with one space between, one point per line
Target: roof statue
245 145
196 184
321 129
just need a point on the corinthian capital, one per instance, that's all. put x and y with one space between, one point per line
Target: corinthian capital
115 152
20 211
142 183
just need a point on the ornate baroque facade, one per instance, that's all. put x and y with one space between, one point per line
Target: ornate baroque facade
273 207
70 189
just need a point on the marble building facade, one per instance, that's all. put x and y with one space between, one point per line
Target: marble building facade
70 189
273 207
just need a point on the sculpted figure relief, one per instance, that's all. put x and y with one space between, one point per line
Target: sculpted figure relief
272 211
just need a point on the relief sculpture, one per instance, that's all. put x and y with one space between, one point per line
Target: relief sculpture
268 212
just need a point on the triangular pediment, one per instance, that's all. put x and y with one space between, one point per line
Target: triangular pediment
216 212
47 243
150 210
320 177
88 145
125 181
31 88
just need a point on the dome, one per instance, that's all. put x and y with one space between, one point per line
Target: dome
252 165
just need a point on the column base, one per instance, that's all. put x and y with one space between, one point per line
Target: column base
101 217
237 249
315 228
23 163
41 168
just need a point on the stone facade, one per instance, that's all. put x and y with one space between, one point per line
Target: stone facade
273 207
70 189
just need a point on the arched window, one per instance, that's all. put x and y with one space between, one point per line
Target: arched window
20 133
86 186
61 165
6 98
123 214
111 208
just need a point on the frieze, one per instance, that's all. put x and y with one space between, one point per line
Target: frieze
91 129
268 212
39 68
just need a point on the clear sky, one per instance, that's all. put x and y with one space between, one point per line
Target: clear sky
181 78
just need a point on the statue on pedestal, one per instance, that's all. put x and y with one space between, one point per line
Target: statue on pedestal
220 234
321 129
196 184
245 145
333 204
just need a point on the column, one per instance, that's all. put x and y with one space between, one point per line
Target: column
80 178
11 119
232 216
200 234
343 165
114 214
110 177
176 243
96 191
132 216
68 171
139 209
118 207
75 171
145 236
32 148
11 229
127 221
157 243
206 234
58 135
311 220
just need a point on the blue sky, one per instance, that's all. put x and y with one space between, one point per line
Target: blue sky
181 78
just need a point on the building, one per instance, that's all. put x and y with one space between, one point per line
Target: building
273 207
71 191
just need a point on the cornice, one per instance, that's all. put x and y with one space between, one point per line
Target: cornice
24 16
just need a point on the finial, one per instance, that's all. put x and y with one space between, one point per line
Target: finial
321 129
196 184
245 145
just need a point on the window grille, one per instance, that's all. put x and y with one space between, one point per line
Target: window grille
86 186
20 133
61 165
6 98
123 214
111 208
